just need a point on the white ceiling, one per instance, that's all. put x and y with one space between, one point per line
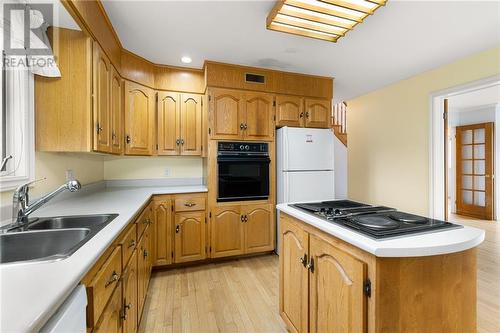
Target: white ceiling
476 99
400 40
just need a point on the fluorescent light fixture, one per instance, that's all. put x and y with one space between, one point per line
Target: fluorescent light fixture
321 19
186 60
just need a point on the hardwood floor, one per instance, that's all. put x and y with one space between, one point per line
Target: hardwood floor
242 295
233 296
488 277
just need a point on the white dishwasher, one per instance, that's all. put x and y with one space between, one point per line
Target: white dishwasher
71 315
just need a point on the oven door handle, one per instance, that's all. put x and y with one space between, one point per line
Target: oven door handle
261 159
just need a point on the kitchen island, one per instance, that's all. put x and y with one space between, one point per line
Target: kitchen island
334 279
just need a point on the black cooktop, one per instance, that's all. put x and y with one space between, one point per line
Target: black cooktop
378 222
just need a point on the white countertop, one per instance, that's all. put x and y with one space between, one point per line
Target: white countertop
428 244
31 292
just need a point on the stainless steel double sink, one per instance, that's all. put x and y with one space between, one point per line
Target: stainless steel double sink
51 238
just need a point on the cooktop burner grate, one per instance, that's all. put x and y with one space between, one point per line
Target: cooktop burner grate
375 222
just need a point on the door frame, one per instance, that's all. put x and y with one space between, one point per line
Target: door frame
437 150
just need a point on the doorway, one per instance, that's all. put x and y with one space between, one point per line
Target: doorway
464 151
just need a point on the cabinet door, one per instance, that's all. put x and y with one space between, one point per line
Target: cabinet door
189 236
289 111
163 243
111 321
169 111
337 302
141 274
227 114
317 112
139 119
294 282
259 116
227 231
191 124
259 228
116 101
101 99
130 296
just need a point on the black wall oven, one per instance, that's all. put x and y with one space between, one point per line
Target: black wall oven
242 171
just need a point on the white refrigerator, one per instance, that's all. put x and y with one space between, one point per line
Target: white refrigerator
304 165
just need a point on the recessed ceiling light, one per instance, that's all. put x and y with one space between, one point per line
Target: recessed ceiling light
186 60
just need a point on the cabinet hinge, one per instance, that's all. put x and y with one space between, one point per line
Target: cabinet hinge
209 131
210 215
274 103
172 207
274 118
156 97
157 146
367 287
172 253
209 97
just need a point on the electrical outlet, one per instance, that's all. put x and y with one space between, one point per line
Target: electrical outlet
166 173
70 175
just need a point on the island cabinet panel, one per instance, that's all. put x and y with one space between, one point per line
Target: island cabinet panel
289 111
336 301
111 320
130 299
227 231
163 246
227 114
139 119
317 113
259 116
259 228
101 97
294 286
189 236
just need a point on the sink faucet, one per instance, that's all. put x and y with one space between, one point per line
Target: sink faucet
22 207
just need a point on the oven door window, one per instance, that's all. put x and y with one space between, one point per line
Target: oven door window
243 178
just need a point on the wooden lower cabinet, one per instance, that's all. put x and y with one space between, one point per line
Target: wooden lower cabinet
144 264
242 229
163 234
130 299
111 320
336 299
189 236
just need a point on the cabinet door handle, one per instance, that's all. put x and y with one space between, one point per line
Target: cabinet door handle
131 243
182 141
242 126
177 229
245 126
128 139
99 128
245 218
147 221
310 265
303 260
145 254
114 278
178 142
113 135
307 114
190 204
128 306
241 218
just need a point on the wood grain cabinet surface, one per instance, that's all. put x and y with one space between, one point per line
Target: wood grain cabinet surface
189 236
289 111
317 113
139 119
240 115
111 320
163 240
179 124
101 93
130 299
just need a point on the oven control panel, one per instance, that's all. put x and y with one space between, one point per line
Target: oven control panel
250 147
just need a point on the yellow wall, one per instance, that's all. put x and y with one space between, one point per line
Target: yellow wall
152 167
388 159
87 168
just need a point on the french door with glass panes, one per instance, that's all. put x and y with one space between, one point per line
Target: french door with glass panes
474 172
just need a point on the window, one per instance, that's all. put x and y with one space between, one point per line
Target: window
17 130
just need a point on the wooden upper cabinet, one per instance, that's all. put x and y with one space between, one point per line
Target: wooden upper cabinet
259 228
162 211
337 301
116 107
190 124
227 235
101 100
139 119
294 276
169 110
189 236
317 113
259 116
226 113
289 111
